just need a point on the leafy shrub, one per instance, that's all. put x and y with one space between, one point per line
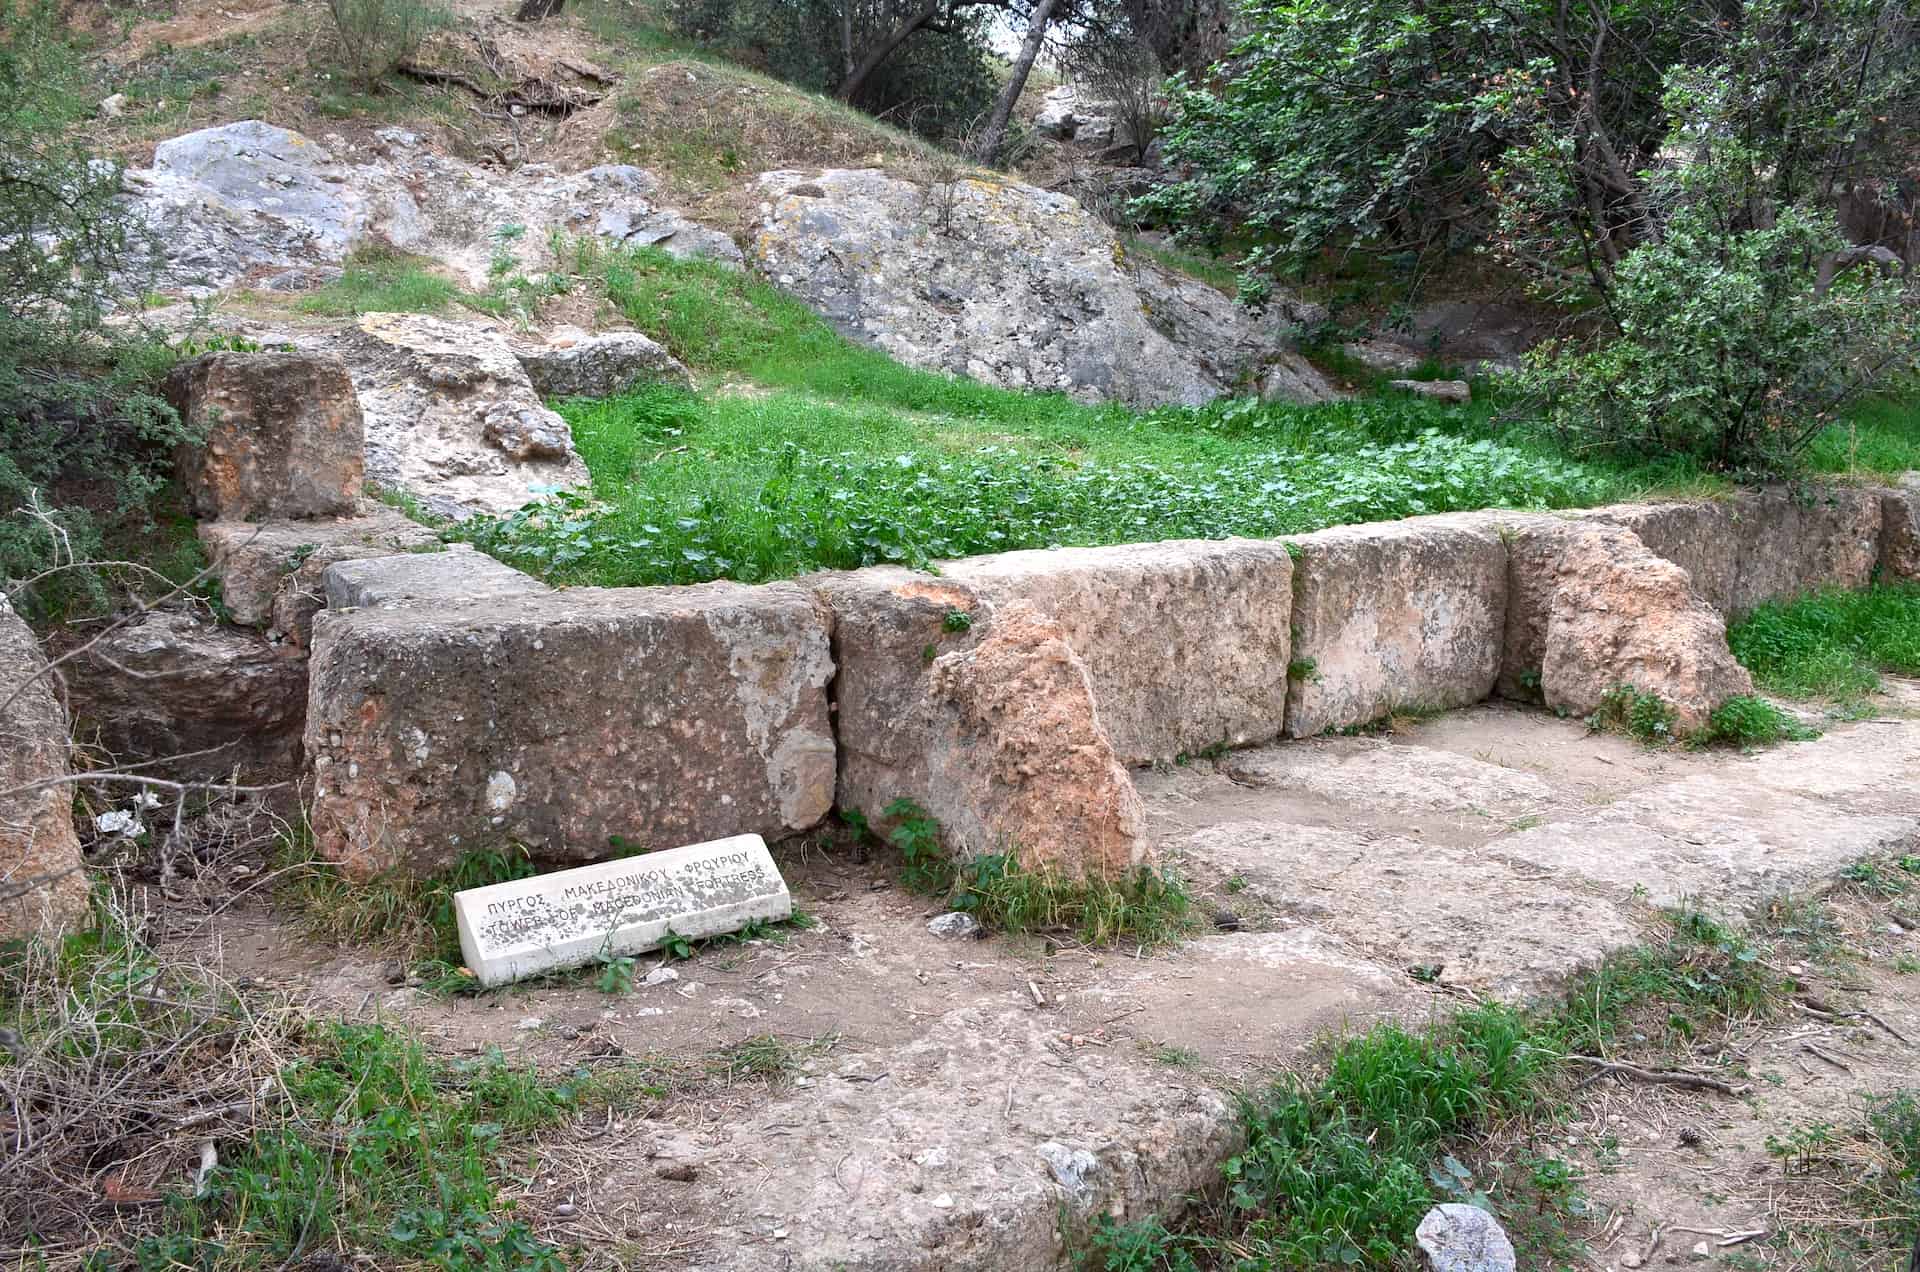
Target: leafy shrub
82 434
1732 348
378 35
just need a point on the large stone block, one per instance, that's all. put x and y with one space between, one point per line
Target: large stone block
39 852
991 726
557 720
1395 615
192 697
457 574
1798 540
1900 530
270 572
1702 537
1534 543
1186 642
1623 616
282 435
570 363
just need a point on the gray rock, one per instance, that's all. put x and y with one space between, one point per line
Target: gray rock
1438 390
1457 1238
1291 378
1386 356
38 845
664 715
457 574
1075 1169
251 203
270 572
1007 284
571 363
452 417
662 975
955 925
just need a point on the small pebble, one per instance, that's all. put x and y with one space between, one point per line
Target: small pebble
566 1210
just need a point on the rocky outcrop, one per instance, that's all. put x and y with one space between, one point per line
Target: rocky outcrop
559 720
1392 616
1005 283
42 886
280 436
1066 114
271 573
569 363
984 716
251 204
452 417
192 697
1185 643
1623 616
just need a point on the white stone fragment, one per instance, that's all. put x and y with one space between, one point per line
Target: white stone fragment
570 917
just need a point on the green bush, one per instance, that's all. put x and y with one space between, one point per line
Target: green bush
1732 350
377 35
84 442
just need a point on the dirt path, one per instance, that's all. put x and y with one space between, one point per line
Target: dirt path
951 1104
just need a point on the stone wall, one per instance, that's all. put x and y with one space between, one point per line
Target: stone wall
453 702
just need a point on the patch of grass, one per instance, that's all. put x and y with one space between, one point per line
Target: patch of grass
1210 270
1833 644
1646 716
1746 721
1876 437
380 280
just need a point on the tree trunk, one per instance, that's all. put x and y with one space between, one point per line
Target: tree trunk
996 130
883 50
534 10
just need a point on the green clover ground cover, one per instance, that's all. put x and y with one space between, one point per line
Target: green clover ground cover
807 451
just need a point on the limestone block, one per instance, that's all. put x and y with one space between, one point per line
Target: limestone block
1395 615
1900 530
176 684
270 572
556 720
1798 540
1623 616
570 363
457 574
993 729
282 435
624 907
39 851
1186 642
1702 537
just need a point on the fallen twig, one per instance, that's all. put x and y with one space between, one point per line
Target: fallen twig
1663 1077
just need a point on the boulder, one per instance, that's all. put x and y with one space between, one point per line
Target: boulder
1388 357
569 363
281 436
1231 346
1623 616
989 725
43 889
457 574
192 698
1395 615
452 417
1006 283
558 720
1796 540
270 572
1900 530
1291 378
1460 1238
1186 643
1456 391
249 203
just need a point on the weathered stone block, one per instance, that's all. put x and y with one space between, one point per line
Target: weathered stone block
283 436
1799 540
457 574
629 906
557 720
1623 616
270 572
39 852
570 363
1393 615
1900 530
1701 537
175 685
993 729
1186 642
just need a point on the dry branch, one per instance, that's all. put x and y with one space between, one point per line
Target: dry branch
1662 1077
